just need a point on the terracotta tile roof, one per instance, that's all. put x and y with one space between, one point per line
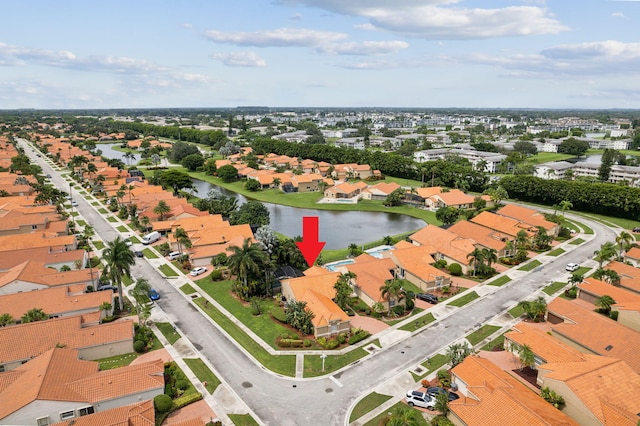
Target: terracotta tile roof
629 275
417 260
502 224
453 198
199 223
137 414
314 270
599 288
496 398
482 235
321 283
220 235
371 275
54 301
633 253
38 239
36 273
24 341
403 244
306 178
42 255
598 381
445 242
202 252
383 188
527 215
543 345
596 333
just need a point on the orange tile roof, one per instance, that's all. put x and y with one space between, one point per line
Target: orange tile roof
137 414
403 244
482 235
371 275
36 273
54 301
383 188
496 398
599 288
36 239
24 341
503 224
526 215
445 242
42 255
633 253
596 333
543 345
453 198
220 235
596 381
629 275
417 260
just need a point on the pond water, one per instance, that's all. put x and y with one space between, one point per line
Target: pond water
338 229
109 152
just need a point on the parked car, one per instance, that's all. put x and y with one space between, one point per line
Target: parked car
420 399
154 295
74 203
175 255
108 287
197 271
435 390
138 253
572 267
636 229
128 242
426 297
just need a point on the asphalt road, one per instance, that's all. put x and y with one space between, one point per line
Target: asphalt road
286 401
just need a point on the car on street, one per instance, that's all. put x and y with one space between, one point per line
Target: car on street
74 203
572 267
636 229
197 271
138 253
154 295
420 399
48 176
108 287
128 242
435 390
426 297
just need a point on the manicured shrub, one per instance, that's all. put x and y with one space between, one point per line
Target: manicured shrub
182 384
613 315
322 341
307 343
139 346
455 269
163 403
397 310
342 338
358 335
279 315
332 344
216 275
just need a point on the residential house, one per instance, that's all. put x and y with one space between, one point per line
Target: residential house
633 256
629 276
352 170
10 243
445 245
598 391
591 289
60 301
529 216
58 386
306 182
491 396
49 258
628 314
503 224
453 198
33 275
482 236
93 340
371 274
593 333
318 291
16 222
414 264
345 190
379 191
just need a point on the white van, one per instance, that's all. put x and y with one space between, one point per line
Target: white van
175 254
151 237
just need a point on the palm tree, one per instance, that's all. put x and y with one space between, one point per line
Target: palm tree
607 275
522 239
565 205
343 289
527 357
35 314
129 156
276 182
246 260
510 248
180 235
118 259
145 222
162 209
623 240
604 303
442 403
404 416
6 319
490 256
477 258
535 309
392 290
606 252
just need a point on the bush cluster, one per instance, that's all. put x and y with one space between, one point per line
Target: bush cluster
279 315
358 335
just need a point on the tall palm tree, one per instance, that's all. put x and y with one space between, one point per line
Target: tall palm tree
623 240
604 303
606 252
392 290
343 288
162 209
404 416
527 357
118 259
180 235
490 256
565 205
245 261
35 314
6 319
477 258
522 239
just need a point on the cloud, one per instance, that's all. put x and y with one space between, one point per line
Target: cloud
617 15
296 17
240 59
442 19
280 37
366 48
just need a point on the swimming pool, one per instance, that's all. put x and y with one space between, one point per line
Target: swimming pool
333 265
377 251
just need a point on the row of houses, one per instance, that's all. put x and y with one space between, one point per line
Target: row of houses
564 170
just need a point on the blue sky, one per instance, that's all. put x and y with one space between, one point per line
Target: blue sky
335 53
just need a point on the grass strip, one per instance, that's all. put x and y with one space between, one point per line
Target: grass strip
242 420
149 254
203 373
530 266
168 331
419 323
556 252
313 363
498 341
461 301
432 364
167 270
554 288
500 281
187 289
482 333
367 404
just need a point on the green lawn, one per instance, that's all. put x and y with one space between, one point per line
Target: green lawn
99 244
282 364
516 311
482 333
577 241
554 288
81 222
432 364
96 204
366 404
262 325
498 341
419 323
500 281
134 239
313 363
415 311
242 420
530 266
582 270
203 373
75 214
149 254
122 228
556 252
187 289
167 270
463 300
112 219
377 420
102 210
116 361
168 332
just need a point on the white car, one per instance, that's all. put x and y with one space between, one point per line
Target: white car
572 267
175 255
197 271
74 203
420 399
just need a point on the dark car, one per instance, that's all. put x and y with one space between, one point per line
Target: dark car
108 287
435 390
426 297
154 295
636 229
138 253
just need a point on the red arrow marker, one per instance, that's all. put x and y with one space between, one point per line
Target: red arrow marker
310 246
